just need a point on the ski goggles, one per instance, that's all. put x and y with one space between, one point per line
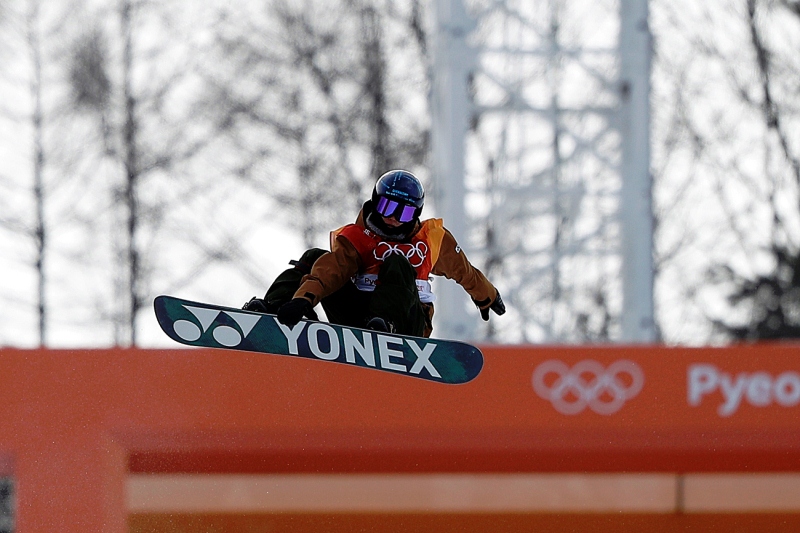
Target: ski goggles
390 208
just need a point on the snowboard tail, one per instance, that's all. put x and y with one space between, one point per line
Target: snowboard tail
212 326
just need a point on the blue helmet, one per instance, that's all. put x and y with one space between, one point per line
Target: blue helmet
398 194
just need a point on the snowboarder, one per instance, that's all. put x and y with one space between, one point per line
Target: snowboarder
377 272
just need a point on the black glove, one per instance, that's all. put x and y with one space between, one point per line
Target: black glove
485 305
294 310
256 305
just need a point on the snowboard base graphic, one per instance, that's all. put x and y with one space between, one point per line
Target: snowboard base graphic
212 326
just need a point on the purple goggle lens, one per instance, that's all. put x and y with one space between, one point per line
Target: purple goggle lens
388 208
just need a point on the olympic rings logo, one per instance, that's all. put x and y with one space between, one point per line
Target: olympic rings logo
588 384
415 253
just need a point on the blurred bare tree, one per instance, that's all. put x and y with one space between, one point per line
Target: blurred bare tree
40 233
126 82
26 31
727 170
771 297
317 106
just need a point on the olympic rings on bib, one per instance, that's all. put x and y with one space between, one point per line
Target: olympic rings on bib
588 384
415 253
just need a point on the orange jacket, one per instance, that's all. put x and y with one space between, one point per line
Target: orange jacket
356 254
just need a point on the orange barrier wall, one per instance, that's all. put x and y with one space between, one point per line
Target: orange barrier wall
75 423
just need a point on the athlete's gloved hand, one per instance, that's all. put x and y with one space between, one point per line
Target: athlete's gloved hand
294 310
256 305
486 305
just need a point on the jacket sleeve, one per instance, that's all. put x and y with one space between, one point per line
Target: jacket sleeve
330 272
453 264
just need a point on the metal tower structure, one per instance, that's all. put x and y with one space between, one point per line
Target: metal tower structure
541 165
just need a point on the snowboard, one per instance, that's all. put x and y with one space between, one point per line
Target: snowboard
213 326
